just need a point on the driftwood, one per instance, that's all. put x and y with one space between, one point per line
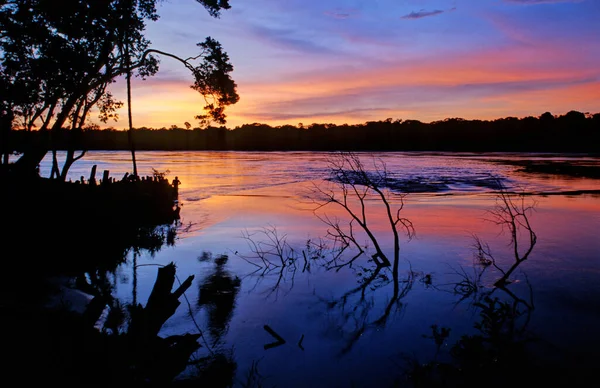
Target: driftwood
151 358
300 342
162 303
280 341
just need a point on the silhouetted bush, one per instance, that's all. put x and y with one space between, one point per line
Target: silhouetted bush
572 132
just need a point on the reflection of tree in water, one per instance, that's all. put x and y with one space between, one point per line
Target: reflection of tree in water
277 261
511 213
120 344
95 279
217 294
355 312
358 193
497 354
210 362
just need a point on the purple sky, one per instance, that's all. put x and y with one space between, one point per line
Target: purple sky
352 61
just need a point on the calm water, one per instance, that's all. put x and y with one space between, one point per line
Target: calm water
349 335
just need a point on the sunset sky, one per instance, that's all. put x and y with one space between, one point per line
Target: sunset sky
350 61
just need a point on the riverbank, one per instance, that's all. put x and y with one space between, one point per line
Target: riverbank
75 224
60 242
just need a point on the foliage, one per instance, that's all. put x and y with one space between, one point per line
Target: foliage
559 134
56 63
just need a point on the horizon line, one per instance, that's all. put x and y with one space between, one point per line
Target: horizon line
588 115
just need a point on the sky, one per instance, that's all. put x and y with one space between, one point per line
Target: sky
352 61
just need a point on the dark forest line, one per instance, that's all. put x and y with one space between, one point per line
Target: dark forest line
572 132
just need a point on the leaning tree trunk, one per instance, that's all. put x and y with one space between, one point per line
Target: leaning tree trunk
37 150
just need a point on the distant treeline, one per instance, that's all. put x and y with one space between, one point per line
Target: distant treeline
572 132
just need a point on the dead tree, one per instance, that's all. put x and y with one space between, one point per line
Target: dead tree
140 354
160 359
351 186
355 189
272 255
162 303
511 212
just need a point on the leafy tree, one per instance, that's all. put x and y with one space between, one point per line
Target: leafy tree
56 64
547 117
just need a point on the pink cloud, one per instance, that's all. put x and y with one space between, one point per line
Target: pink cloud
497 82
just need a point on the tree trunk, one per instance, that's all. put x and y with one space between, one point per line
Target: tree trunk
161 305
31 158
130 115
70 159
5 128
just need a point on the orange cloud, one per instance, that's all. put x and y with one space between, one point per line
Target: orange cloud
515 80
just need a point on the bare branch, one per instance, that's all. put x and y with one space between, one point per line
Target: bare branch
510 212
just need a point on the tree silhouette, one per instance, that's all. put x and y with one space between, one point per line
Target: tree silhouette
547 133
57 62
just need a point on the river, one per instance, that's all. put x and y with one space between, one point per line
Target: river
347 325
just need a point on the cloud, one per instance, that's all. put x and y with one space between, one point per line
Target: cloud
344 114
531 2
432 102
387 97
287 39
338 15
422 14
479 84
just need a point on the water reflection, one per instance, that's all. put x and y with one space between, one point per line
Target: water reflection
355 312
87 336
66 242
217 295
211 173
499 346
99 279
497 354
565 225
503 349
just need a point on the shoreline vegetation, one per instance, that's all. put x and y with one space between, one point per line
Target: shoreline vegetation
63 241
70 227
574 131
102 218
